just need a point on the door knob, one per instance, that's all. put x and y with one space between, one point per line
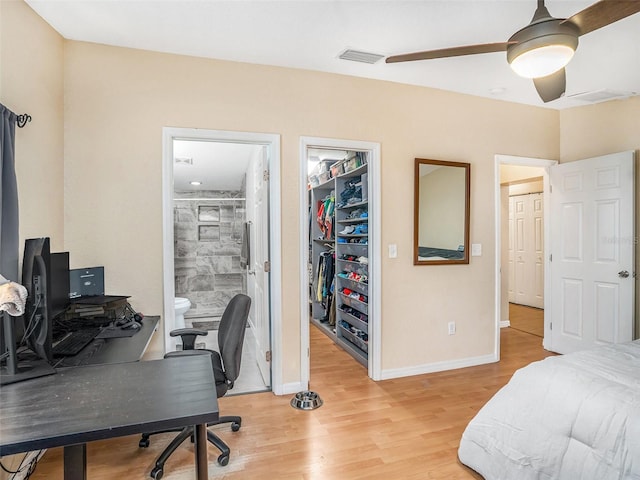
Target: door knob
623 274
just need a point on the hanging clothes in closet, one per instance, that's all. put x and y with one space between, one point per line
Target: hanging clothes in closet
324 281
324 216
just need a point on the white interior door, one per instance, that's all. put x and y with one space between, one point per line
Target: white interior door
259 234
511 253
537 249
592 247
527 250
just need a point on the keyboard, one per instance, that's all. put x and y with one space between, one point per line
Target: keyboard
74 342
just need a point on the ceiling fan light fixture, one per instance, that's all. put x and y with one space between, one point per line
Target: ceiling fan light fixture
542 48
542 61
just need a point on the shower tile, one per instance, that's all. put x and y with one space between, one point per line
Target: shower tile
217 264
185 215
217 248
209 233
226 230
201 283
229 281
227 213
185 248
184 231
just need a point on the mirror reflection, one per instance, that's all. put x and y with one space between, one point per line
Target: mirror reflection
441 212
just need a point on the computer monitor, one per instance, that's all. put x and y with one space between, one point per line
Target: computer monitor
37 319
38 311
59 283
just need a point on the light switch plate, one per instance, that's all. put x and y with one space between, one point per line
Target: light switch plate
393 250
476 249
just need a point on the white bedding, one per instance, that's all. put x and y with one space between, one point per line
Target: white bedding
573 417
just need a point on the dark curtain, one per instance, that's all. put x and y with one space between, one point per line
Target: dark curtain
8 197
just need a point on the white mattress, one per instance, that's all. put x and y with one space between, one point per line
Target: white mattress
570 417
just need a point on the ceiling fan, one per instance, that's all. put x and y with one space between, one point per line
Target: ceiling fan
543 48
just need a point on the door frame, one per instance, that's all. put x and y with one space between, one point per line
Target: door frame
527 162
272 143
375 279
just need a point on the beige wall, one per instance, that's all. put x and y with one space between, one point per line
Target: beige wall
117 100
600 129
104 202
31 81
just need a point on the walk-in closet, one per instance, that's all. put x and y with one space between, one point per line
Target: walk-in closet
339 260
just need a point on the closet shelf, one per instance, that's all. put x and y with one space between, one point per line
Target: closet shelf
328 241
356 322
354 173
354 205
357 304
354 339
352 262
353 221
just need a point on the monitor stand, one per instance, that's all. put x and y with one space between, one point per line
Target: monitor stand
15 371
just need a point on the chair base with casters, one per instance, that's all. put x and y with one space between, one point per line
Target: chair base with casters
226 367
188 432
223 459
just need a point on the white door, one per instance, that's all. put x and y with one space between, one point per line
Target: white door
537 250
259 234
512 255
526 282
592 248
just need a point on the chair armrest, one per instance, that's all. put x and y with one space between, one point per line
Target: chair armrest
188 336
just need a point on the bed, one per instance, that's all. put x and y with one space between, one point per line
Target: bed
571 417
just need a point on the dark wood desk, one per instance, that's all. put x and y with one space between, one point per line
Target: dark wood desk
83 404
114 350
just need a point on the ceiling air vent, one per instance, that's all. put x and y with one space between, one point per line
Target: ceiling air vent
598 96
358 56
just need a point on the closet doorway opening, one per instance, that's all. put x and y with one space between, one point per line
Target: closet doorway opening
218 241
340 248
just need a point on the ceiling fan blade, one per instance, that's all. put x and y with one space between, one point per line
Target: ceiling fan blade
603 13
552 86
450 52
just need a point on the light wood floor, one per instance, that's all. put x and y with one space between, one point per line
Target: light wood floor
407 428
527 319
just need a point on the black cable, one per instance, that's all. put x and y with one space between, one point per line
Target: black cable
31 325
28 468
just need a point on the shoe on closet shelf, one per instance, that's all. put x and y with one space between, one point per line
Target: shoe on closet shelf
347 230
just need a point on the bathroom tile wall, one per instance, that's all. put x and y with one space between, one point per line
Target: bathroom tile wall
207 247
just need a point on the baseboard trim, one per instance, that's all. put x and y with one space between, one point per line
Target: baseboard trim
438 366
289 388
505 323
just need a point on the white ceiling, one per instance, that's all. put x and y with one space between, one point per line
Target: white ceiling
218 165
310 34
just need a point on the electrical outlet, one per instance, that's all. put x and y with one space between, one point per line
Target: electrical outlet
452 328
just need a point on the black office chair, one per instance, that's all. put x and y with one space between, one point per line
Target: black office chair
226 367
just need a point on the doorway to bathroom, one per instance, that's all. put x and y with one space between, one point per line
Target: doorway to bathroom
217 208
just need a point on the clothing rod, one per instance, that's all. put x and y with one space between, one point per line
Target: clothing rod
23 119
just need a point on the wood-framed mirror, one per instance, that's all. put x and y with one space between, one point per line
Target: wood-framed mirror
441 212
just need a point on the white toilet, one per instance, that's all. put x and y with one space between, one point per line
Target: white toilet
182 306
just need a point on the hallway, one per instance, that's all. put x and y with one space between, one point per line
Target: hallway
527 319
